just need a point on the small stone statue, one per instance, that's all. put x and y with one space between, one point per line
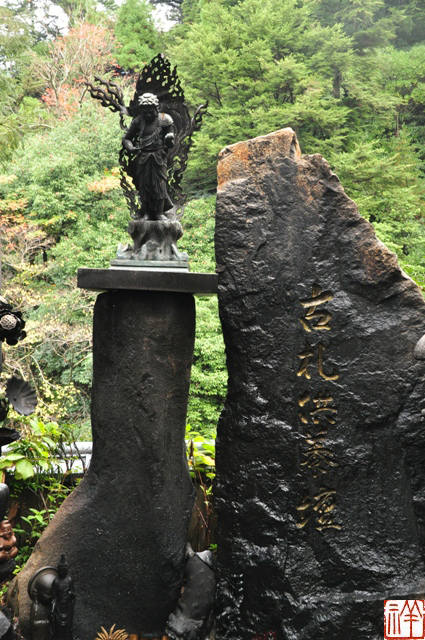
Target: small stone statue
154 156
192 618
63 603
40 592
39 618
8 548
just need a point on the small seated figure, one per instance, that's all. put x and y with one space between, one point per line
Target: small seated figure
8 548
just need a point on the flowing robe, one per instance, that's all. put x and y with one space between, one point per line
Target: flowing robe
148 169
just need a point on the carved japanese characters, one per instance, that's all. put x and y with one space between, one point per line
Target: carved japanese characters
317 413
321 443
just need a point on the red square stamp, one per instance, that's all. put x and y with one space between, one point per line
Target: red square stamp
404 619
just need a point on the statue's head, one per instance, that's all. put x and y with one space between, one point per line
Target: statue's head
63 567
6 529
149 106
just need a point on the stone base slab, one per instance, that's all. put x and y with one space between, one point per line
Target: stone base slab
137 279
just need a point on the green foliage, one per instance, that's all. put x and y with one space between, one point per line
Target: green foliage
136 34
35 460
347 76
15 82
371 23
201 460
37 521
200 454
51 492
58 174
264 65
36 452
389 190
14 40
209 374
65 210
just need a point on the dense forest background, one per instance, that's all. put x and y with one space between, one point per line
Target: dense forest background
347 75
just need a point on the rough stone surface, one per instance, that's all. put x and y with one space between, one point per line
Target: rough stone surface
6 630
321 444
6 569
124 528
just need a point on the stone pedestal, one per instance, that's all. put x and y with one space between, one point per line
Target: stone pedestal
321 444
124 528
153 240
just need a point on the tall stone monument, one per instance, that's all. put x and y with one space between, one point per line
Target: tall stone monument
124 529
321 444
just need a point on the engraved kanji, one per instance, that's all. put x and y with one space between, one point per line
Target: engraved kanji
314 320
322 410
321 355
317 457
306 356
320 507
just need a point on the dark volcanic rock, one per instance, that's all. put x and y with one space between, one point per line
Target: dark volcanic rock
6 569
6 630
321 444
124 528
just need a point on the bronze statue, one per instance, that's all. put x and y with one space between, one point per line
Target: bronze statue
63 603
154 155
148 139
8 548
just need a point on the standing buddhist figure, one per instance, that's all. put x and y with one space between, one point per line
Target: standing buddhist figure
63 603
